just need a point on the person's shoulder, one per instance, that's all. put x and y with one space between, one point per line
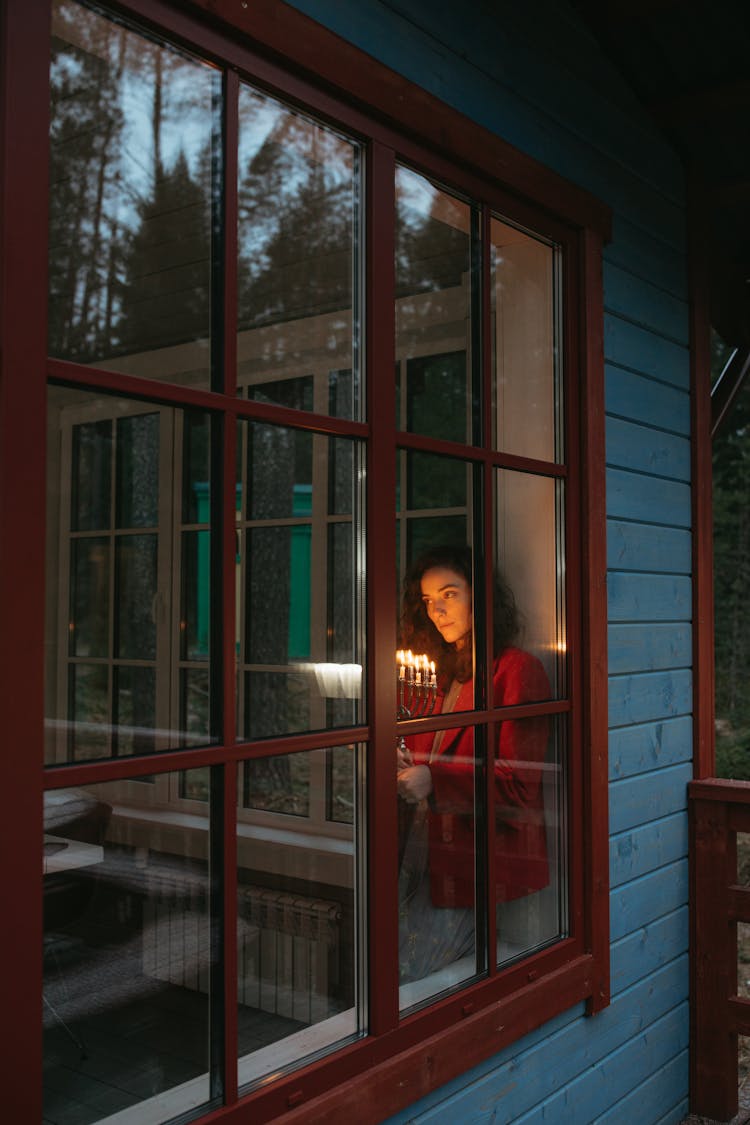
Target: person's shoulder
518 663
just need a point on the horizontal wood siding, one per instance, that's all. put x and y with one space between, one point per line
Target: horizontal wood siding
534 74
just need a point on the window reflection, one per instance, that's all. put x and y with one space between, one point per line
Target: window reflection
525 344
300 920
132 135
129 949
300 579
434 322
128 578
298 234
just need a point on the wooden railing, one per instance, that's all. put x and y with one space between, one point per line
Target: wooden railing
719 809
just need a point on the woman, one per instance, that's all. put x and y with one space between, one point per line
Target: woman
436 771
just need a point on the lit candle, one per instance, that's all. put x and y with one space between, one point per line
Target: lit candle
433 677
401 660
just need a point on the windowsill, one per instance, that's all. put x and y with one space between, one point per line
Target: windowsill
275 851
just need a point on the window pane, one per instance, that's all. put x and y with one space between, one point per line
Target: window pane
132 137
128 605
301 581
299 244
433 533
138 471
525 345
129 945
438 781
300 923
530 835
136 710
88 710
136 583
91 477
89 624
530 561
434 322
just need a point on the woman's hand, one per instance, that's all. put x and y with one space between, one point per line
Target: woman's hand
414 783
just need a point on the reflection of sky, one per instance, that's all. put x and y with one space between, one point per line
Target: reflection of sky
415 196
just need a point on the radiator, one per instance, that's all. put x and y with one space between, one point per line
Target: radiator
288 949
288 954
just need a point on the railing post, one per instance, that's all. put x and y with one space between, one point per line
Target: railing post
714 961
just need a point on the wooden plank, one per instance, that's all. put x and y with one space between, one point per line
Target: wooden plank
639 851
638 955
738 903
649 696
703 588
641 901
647 797
660 1098
639 349
647 547
648 450
738 1010
648 598
648 746
588 1098
641 399
650 306
537 67
651 499
632 648
528 1077
642 255
713 962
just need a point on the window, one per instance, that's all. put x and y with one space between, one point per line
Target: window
300 366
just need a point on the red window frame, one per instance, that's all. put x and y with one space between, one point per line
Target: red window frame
286 52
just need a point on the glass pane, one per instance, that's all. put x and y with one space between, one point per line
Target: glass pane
195 707
299 245
91 476
530 827
133 135
530 567
438 781
434 322
136 710
437 795
129 949
526 347
731 540
128 607
436 572
278 784
138 471
196 470
136 577
88 708
301 582
90 597
300 926
195 623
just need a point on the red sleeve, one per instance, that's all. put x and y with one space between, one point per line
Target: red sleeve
518 678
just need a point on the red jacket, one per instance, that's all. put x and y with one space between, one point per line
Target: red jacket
520 839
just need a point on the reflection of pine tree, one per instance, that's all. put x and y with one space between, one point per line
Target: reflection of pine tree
165 295
85 127
296 234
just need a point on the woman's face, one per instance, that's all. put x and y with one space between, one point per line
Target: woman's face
447 599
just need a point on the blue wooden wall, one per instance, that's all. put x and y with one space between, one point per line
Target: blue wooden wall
533 73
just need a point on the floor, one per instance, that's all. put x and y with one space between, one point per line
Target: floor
140 1036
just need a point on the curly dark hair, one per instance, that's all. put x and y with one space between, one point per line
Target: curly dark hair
420 635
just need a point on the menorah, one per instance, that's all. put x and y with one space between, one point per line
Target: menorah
417 685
